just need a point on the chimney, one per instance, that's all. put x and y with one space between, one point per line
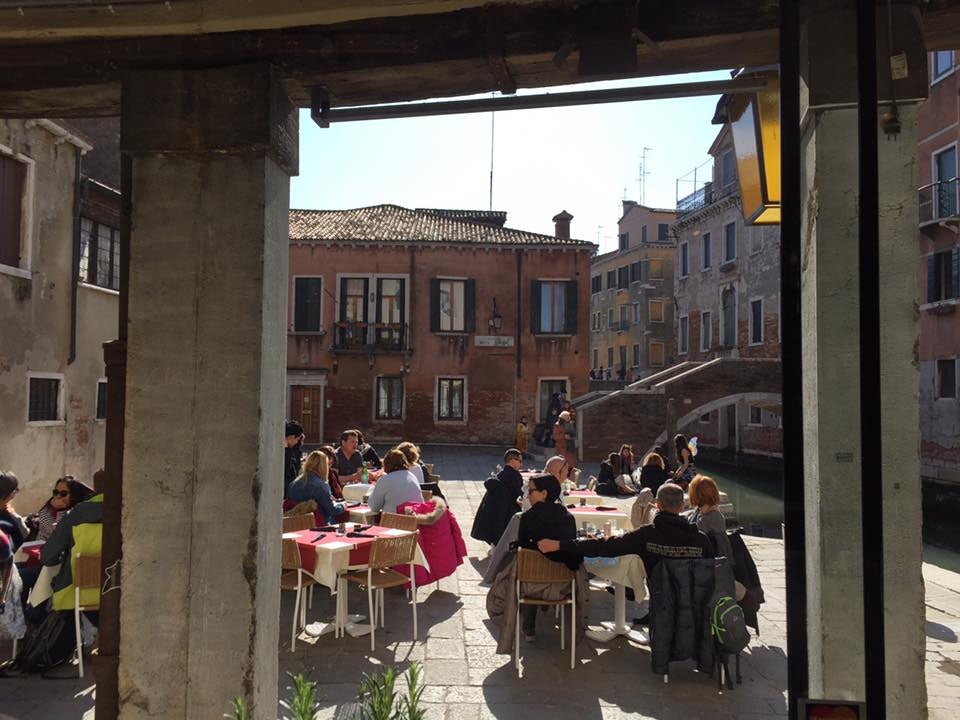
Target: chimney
628 205
562 224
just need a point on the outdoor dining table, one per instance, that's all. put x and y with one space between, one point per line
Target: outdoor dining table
624 571
588 496
363 514
592 515
324 555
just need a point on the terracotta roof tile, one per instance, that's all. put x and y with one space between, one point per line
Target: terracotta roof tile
392 224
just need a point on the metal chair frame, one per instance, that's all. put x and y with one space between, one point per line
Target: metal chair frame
534 567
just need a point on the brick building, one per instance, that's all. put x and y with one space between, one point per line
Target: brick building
727 287
59 276
937 138
432 325
631 296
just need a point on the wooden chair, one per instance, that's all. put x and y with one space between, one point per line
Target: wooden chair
87 575
534 567
400 522
294 578
386 553
298 522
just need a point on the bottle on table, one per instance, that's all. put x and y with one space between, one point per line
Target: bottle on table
364 473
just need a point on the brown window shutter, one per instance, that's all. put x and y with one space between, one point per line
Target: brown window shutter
11 195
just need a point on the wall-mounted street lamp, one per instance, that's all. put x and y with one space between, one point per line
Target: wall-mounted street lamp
755 125
496 319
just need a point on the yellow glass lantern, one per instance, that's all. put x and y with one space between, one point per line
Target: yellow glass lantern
755 124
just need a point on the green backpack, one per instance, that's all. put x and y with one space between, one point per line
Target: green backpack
728 625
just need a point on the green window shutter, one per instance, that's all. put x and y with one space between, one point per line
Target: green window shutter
570 311
932 278
470 306
535 307
434 305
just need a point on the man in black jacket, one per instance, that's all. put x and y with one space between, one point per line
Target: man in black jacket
670 536
499 504
292 453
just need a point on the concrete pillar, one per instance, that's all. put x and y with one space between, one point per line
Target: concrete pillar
831 358
211 153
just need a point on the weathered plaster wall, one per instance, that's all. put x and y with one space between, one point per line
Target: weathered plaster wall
35 329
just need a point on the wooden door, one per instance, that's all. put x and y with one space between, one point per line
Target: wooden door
307 409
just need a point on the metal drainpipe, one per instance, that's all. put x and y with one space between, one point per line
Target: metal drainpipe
75 269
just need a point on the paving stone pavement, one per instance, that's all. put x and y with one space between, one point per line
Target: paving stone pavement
467 680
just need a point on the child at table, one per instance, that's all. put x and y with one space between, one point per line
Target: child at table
311 484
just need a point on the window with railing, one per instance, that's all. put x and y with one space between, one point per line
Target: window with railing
371 315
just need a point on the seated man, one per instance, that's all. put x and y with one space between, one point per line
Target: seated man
349 462
500 501
670 536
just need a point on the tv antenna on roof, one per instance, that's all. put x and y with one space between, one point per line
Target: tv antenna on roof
643 175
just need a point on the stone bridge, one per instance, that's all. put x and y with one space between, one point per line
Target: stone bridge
649 411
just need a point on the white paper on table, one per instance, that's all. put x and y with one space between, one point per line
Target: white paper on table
395 531
335 545
291 536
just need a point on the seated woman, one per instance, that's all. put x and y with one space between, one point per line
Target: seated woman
626 460
312 484
67 492
544 518
10 522
336 487
412 453
612 481
704 498
397 486
653 474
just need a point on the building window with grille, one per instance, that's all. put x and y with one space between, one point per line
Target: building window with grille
307 304
656 354
451 398
945 177
99 254
389 401
655 308
44 403
706 330
947 378
101 413
682 335
707 257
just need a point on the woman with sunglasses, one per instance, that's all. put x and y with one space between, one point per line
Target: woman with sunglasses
67 492
10 522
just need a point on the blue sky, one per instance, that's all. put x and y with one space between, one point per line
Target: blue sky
579 159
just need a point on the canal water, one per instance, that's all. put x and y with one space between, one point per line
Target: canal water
756 494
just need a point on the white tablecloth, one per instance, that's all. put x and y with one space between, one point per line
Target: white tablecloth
356 491
627 570
617 518
334 558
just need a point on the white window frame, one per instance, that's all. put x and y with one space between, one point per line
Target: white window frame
708 335
683 335
750 327
750 410
372 294
376 399
293 303
554 281
25 270
436 400
726 259
706 241
96 399
934 78
61 416
540 381
684 253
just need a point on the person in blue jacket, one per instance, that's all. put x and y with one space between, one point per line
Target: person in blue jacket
312 484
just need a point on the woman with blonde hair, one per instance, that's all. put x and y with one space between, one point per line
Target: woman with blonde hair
412 453
312 484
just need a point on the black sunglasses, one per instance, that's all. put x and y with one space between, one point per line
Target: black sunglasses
60 493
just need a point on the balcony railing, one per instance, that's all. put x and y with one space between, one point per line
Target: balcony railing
938 201
695 200
359 337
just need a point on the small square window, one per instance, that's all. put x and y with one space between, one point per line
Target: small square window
44 403
101 400
947 378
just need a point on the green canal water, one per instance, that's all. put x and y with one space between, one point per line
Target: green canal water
756 493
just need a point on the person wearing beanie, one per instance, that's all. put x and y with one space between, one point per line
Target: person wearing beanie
292 453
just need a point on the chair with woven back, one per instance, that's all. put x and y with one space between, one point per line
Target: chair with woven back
386 553
87 575
294 578
427 495
298 522
534 567
398 521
